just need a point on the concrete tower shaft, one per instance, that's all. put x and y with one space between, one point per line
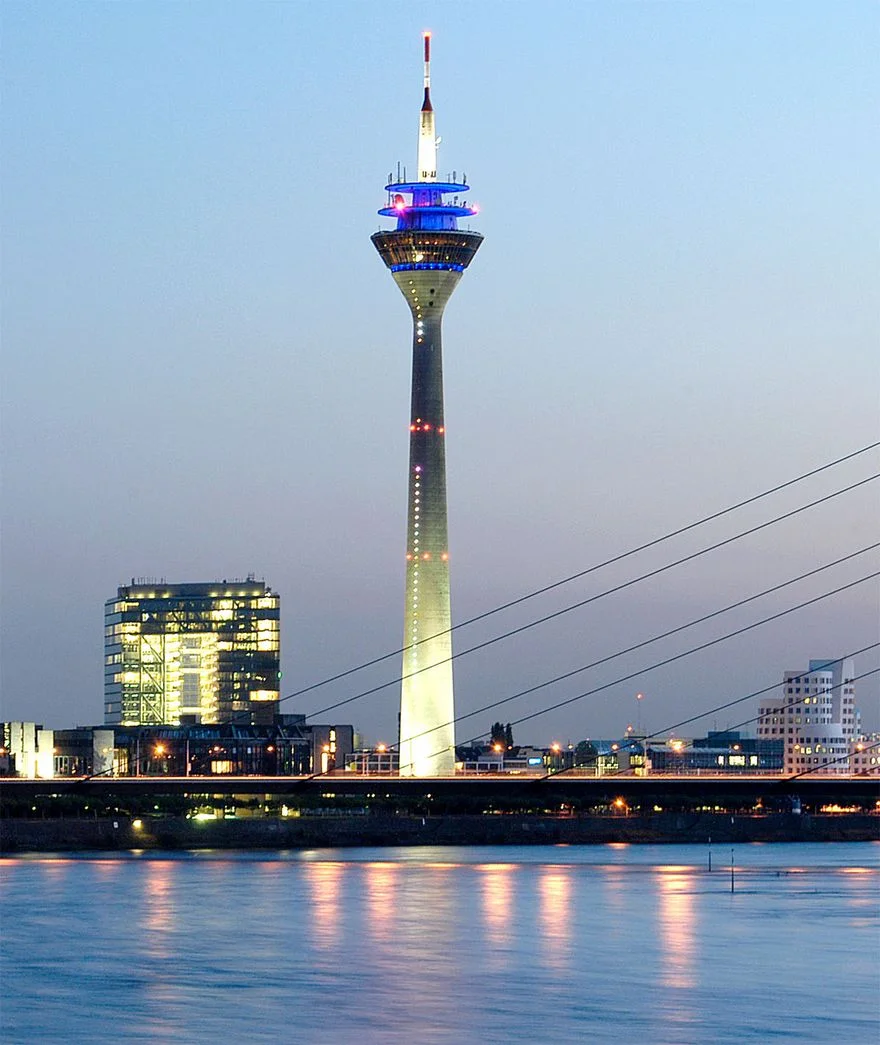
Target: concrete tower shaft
427 710
427 254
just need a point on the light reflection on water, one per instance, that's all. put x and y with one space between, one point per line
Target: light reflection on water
324 881
555 916
679 930
441 945
677 917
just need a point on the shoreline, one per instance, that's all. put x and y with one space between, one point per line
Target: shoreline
19 835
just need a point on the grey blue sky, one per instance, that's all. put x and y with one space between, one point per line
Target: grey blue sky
206 365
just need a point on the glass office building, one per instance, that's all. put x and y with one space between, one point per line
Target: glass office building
188 653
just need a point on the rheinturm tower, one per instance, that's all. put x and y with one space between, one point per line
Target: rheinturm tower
427 254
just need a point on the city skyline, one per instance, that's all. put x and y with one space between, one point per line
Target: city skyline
678 315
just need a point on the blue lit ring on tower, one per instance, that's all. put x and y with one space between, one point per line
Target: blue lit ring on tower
415 249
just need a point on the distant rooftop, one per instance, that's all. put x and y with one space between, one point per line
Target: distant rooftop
148 588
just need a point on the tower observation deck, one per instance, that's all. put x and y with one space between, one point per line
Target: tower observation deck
427 254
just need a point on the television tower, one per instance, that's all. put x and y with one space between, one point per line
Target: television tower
427 254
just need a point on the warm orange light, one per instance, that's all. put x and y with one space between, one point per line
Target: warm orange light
381 749
619 803
497 747
555 746
160 749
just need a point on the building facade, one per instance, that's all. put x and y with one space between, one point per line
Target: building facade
26 750
816 718
179 653
865 754
288 747
720 751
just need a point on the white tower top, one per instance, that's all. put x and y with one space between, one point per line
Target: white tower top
428 140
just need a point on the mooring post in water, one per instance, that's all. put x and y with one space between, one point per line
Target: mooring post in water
710 852
732 879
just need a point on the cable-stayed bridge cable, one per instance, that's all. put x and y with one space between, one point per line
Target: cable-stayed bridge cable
594 598
680 656
656 734
654 638
591 569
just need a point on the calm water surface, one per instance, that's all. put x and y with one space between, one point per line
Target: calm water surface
430 946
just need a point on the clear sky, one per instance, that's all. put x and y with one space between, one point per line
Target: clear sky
206 365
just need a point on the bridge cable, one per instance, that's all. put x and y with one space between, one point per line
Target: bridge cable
591 569
670 660
593 598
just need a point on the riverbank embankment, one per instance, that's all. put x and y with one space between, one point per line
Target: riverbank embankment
19 835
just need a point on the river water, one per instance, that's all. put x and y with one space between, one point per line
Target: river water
434 946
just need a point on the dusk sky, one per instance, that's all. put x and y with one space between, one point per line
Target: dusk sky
206 365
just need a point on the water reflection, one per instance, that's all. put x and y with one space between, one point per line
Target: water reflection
677 915
612 882
158 906
556 917
496 889
381 888
157 929
106 868
442 947
324 881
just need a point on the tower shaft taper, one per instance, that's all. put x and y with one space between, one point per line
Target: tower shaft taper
427 255
427 711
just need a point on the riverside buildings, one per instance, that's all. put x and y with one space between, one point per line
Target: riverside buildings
426 255
816 717
191 653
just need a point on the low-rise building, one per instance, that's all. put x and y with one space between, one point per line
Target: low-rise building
27 751
290 747
722 751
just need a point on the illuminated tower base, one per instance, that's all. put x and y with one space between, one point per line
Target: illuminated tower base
427 255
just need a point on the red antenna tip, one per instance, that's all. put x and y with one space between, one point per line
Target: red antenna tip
427 36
